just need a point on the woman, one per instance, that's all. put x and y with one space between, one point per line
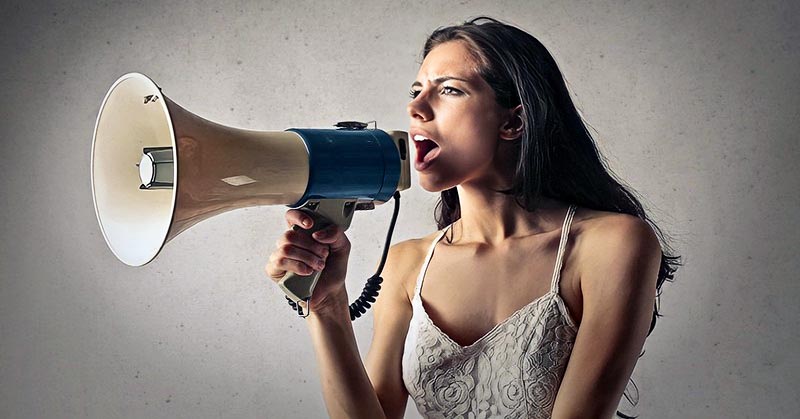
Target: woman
538 302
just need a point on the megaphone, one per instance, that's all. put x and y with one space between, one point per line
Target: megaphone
157 169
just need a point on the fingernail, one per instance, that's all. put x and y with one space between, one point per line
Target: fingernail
319 234
306 222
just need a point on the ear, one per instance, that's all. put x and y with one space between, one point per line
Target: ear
512 128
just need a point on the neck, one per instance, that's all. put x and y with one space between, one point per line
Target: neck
492 218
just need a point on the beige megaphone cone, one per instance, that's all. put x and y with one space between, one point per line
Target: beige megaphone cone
221 168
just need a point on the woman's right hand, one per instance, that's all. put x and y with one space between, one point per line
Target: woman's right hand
327 250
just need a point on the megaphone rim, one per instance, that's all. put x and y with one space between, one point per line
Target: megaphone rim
165 109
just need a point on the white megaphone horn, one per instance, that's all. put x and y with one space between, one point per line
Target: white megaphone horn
158 169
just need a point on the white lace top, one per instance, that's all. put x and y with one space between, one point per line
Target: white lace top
513 371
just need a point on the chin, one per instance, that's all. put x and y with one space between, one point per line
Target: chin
433 185
431 189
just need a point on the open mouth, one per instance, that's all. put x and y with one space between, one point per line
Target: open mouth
427 149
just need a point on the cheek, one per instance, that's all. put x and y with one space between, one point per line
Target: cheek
479 117
473 134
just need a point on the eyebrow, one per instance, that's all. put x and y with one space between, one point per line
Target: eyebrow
440 80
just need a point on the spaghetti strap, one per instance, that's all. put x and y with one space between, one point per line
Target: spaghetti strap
556 271
561 247
421 276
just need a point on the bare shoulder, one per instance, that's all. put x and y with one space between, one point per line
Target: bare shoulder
602 226
405 260
609 238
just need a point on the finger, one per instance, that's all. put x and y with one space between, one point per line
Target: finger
273 271
299 218
333 236
280 264
303 240
328 234
309 259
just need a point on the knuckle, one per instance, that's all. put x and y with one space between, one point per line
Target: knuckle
286 263
292 212
283 241
285 248
302 267
273 272
294 236
298 216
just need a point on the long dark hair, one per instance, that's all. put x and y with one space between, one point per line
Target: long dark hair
558 157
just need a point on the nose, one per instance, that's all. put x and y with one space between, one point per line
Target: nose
419 108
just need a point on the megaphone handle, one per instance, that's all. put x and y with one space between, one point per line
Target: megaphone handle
324 213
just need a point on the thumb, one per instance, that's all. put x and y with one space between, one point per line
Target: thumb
333 236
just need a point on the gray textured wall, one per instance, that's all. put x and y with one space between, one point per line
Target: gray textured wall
694 103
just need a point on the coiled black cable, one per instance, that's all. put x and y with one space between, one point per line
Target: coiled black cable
370 292
373 285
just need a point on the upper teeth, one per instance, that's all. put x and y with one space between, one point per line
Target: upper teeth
420 138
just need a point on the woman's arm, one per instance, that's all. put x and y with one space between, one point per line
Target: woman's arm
618 270
392 316
345 384
347 388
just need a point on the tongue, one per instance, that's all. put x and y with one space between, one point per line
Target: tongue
430 155
425 149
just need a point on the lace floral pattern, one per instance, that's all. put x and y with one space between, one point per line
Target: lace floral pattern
514 371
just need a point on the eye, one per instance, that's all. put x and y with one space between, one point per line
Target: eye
413 93
447 90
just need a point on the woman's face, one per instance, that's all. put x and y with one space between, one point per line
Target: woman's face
455 109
